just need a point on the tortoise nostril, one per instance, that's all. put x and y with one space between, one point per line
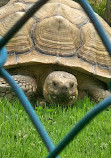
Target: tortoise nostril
64 88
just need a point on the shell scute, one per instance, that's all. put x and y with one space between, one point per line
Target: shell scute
59 33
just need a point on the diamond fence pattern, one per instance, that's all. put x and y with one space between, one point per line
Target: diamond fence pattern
53 151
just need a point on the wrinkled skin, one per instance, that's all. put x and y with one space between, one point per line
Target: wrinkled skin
60 88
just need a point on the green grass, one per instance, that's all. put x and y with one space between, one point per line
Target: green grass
19 139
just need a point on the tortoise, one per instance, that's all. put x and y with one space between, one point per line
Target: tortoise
57 54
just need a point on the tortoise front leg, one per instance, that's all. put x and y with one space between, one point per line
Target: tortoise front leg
27 83
97 94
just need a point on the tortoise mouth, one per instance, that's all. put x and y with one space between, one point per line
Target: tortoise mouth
62 99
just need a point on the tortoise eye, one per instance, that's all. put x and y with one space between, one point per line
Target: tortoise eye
71 85
54 84
3 2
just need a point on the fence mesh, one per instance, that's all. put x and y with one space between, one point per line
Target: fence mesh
53 151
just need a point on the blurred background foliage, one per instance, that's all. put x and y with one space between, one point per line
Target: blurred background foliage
99 6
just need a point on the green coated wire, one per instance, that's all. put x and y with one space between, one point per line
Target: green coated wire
79 126
30 111
21 22
54 151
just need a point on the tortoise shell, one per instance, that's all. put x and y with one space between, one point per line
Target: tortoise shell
59 33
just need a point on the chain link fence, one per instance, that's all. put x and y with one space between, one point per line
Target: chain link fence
53 151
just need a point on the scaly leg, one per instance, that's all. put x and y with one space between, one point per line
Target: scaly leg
27 83
97 94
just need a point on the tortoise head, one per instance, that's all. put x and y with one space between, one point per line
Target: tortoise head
60 88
